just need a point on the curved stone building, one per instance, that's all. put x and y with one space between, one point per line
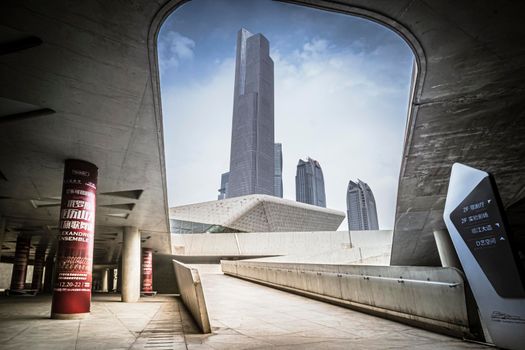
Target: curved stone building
253 213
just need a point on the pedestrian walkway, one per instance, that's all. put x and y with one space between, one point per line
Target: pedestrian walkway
243 315
246 315
25 324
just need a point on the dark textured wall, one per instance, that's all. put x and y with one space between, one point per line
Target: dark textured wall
164 280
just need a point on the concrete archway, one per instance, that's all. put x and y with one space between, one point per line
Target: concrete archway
462 90
350 9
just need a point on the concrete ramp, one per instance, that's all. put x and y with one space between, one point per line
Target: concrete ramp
192 295
428 297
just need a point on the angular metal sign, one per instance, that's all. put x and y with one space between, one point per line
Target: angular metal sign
475 219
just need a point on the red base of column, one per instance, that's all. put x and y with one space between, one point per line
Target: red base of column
148 293
80 316
24 292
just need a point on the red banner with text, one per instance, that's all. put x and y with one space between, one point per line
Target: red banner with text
72 287
147 270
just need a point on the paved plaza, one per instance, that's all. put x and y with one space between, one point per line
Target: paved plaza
25 324
243 315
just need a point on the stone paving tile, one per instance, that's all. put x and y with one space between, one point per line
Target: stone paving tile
25 323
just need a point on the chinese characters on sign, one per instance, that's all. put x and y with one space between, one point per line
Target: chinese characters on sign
479 222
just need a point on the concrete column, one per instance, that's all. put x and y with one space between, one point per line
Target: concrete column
119 275
446 251
18 277
147 270
3 224
74 266
111 285
48 278
38 269
105 277
131 265
113 277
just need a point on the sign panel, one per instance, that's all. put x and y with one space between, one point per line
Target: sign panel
479 221
73 276
476 222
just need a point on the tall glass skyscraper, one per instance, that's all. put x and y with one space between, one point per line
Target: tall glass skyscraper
223 191
252 160
309 183
361 207
278 175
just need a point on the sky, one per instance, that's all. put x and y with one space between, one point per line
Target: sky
341 95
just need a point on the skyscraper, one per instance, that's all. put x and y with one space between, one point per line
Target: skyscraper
278 175
223 191
252 147
361 207
309 183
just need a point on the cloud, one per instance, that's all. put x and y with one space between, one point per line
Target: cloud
343 107
173 48
197 129
314 47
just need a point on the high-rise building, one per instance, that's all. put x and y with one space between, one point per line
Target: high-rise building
361 207
278 175
252 147
223 191
309 183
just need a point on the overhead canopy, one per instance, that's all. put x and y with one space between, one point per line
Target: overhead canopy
76 82
80 81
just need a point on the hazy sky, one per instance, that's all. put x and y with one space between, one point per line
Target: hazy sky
341 94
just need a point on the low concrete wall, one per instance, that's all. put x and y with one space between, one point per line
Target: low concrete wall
427 297
192 295
342 247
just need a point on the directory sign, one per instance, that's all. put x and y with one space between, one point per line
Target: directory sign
479 221
475 219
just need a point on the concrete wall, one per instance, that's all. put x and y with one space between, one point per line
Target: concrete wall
322 247
29 273
379 256
6 271
192 295
164 281
427 297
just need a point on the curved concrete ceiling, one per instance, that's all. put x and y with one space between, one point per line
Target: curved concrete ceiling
87 75
467 107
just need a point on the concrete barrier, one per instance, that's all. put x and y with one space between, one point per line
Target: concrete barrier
335 247
428 297
192 295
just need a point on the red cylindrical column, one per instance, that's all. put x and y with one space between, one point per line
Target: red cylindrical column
74 260
38 269
18 277
147 270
